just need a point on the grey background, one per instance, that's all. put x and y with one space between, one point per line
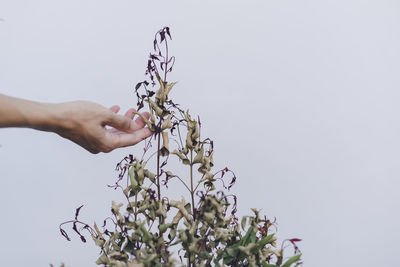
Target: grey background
301 98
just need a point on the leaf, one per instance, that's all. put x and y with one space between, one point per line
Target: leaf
231 253
184 159
164 151
243 223
250 237
64 234
77 212
260 244
98 232
164 227
162 35
103 259
155 57
292 260
199 157
133 179
228 259
169 87
167 30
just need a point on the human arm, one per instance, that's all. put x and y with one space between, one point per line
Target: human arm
81 122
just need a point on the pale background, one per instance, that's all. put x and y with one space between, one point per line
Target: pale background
301 98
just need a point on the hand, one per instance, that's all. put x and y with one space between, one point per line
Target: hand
85 124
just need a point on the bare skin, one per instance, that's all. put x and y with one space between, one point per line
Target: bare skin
90 125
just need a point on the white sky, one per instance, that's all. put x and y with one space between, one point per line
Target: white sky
300 97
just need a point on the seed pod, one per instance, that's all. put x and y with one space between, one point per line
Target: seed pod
152 214
164 227
150 175
152 117
211 159
196 132
103 259
184 159
172 234
161 95
161 211
140 175
185 151
221 233
199 156
183 207
177 218
169 87
189 142
115 207
209 217
156 108
183 236
133 179
99 234
143 208
209 176
167 124
146 235
148 123
165 149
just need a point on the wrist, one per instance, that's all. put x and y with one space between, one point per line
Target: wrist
43 116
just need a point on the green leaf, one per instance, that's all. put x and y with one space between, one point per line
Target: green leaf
292 260
133 179
216 263
260 244
164 227
250 237
228 259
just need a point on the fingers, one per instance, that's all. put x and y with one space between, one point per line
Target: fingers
115 108
119 122
126 132
130 139
130 113
139 122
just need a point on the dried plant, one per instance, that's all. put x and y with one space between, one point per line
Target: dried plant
153 230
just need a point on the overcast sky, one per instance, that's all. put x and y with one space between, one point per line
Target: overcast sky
301 98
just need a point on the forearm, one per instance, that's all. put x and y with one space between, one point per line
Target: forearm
82 122
16 112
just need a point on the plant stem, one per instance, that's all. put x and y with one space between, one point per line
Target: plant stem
191 194
136 206
191 184
166 60
158 167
